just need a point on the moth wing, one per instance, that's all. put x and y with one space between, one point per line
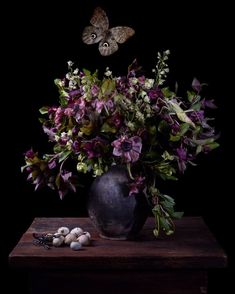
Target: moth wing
92 35
121 34
108 46
99 19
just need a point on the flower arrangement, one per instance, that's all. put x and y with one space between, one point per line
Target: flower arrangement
130 120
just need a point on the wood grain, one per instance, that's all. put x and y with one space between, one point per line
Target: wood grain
191 247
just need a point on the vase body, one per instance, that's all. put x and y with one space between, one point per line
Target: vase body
114 213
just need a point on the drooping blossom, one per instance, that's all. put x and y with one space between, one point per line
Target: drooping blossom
182 158
155 93
94 147
136 185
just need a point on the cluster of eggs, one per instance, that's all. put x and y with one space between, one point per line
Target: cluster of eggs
76 238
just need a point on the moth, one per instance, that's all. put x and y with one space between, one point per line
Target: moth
99 32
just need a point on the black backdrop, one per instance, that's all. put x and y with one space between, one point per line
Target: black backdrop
40 39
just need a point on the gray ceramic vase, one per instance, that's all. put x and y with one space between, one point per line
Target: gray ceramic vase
114 213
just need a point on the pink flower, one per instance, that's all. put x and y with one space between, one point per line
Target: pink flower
137 185
128 148
98 105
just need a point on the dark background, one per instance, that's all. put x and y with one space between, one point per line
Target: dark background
40 39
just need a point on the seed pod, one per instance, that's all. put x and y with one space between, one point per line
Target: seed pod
77 231
57 242
70 238
75 245
87 234
57 235
63 230
84 240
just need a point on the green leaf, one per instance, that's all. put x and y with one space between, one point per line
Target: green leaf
42 120
196 106
174 138
156 209
58 83
199 149
23 167
166 177
167 204
168 93
118 98
166 155
63 100
57 148
182 116
163 127
184 128
169 198
86 72
106 128
190 95
213 145
207 141
88 128
164 223
152 130
107 87
44 109
57 181
64 155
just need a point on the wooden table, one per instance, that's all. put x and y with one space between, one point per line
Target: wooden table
176 264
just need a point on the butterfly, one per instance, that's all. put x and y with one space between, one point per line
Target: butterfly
99 32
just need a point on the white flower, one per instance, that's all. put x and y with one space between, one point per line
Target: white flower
134 81
149 83
70 63
108 72
146 99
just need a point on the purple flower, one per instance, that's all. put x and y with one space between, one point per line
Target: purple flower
52 163
137 185
182 158
208 103
59 116
30 154
95 90
74 93
66 183
51 132
155 93
76 146
175 128
197 116
123 86
98 105
79 109
141 80
94 147
196 85
128 148
116 120
69 111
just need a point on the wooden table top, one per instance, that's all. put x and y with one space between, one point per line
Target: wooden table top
191 247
